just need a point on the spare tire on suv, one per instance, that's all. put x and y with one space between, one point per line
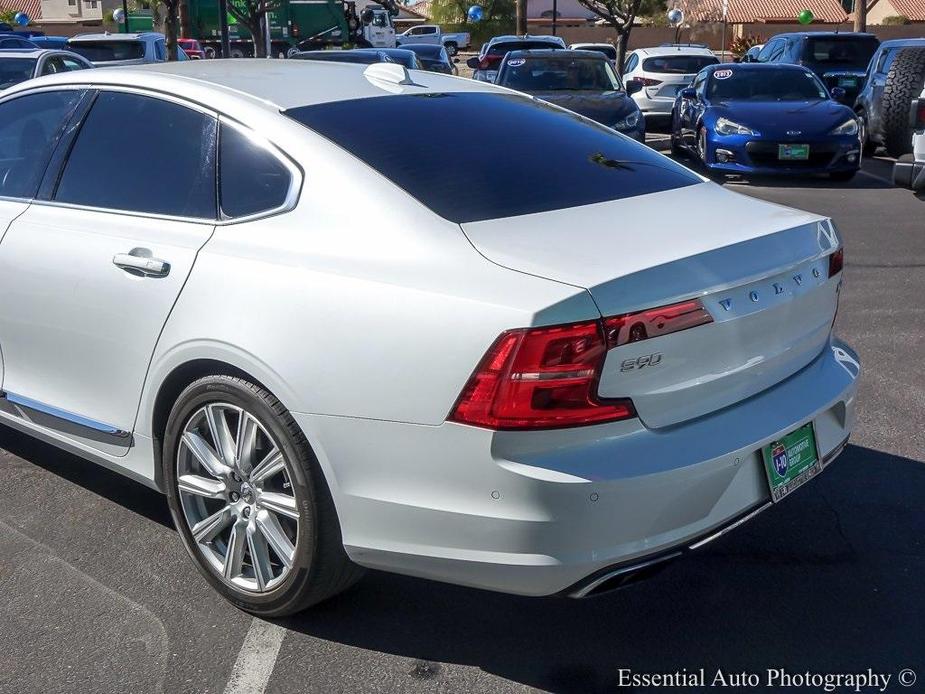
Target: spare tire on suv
903 84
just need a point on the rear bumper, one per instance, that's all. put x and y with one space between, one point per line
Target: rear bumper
553 511
909 173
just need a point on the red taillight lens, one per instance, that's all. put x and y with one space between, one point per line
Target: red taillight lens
653 322
836 262
648 81
540 378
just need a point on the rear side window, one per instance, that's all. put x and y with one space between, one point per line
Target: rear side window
169 170
252 179
507 47
29 130
533 158
678 64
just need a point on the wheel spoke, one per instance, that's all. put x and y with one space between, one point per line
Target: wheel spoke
206 529
204 454
202 486
236 544
275 536
246 442
272 464
221 434
279 503
260 558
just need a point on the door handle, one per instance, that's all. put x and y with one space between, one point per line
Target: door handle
139 261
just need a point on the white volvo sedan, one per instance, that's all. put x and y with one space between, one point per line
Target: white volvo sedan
255 286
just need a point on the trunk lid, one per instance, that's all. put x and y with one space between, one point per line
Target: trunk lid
759 269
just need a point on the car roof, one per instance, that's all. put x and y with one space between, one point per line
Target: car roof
599 44
553 53
824 34
25 52
894 43
272 85
116 37
434 48
673 50
526 37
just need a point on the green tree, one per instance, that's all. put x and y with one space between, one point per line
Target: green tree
456 11
251 14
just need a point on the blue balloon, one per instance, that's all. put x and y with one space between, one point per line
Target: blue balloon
21 18
475 13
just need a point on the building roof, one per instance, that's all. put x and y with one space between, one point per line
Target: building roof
748 11
33 8
913 10
421 8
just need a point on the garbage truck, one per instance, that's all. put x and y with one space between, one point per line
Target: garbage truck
294 25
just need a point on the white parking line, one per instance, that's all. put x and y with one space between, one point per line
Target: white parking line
256 659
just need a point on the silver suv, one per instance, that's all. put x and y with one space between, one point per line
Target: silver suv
104 50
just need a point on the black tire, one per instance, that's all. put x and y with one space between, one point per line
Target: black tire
842 176
868 146
903 84
676 148
451 48
320 568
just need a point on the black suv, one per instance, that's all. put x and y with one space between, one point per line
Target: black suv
840 59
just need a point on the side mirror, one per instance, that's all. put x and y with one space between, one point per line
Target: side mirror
838 93
473 63
633 86
455 60
688 93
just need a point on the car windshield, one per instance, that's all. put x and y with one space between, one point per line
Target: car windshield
765 85
105 51
558 74
678 64
15 70
508 46
841 52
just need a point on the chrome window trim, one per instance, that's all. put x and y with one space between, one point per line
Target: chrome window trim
296 179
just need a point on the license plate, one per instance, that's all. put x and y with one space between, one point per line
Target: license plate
848 82
793 152
790 461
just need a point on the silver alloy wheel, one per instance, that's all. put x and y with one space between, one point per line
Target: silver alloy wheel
237 496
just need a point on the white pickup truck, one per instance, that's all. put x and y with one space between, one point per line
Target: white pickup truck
431 33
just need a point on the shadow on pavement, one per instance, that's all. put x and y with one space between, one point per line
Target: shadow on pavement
94 478
827 581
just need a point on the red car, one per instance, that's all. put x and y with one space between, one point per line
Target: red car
192 48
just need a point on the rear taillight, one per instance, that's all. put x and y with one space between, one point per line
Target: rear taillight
648 81
543 378
918 114
653 322
836 262
540 378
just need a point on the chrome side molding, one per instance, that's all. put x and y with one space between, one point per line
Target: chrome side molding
62 420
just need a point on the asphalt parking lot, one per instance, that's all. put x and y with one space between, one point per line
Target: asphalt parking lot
99 595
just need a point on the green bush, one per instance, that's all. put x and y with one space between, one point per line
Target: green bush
895 20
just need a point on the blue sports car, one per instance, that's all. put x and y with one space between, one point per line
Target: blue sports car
765 119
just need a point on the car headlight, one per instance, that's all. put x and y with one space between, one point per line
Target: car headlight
849 127
724 126
631 121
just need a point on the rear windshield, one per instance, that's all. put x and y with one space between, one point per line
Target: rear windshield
678 64
850 51
608 51
533 158
765 85
15 70
102 51
507 47
558 74
344 57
